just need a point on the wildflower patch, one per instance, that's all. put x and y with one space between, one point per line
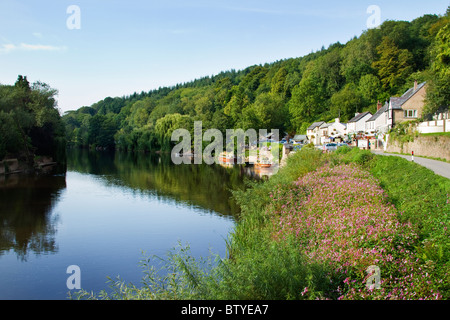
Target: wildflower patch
340 217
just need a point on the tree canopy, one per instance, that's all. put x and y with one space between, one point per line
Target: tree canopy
30 123
287 94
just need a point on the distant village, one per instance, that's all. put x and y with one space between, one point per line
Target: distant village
369 131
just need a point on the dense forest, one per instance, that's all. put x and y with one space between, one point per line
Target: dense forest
289 94
30 123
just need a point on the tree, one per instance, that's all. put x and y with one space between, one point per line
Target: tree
438 93
237 103
10 141
357 60
267 112
278 82
167 125
251 82
393 66
346 102
370 89
308 99
31 124
328 71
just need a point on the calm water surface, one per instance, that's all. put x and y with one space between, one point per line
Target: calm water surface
102 214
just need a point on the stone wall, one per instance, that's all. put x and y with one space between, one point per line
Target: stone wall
7 166
430 146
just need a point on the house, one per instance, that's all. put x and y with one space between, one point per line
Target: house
407 107
333 131
313 132
299 138
337 130
323 133
358 123
377 124
398 109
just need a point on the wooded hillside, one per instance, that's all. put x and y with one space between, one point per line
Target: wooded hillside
289 94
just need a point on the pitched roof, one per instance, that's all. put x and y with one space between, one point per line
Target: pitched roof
359 117
398 102
300 137
325 125
379 112
315 124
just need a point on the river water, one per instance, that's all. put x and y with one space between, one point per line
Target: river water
105 214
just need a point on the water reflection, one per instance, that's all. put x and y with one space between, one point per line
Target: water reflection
203 186
28 223
26 220
102 213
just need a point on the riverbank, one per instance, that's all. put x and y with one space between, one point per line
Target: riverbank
14 166
350 211
313 230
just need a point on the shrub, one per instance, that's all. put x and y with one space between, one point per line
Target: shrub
343 150
362 157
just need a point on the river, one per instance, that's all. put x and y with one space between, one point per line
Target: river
106 213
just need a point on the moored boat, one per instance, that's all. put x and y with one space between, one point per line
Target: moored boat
227 158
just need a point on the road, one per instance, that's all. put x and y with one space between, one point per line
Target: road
439 167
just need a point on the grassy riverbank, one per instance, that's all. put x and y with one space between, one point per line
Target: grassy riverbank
311 232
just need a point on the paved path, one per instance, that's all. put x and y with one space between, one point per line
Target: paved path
439 167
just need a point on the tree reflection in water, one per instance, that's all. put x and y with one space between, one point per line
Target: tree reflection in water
204 186
26 220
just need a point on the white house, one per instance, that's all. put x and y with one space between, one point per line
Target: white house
358 123
323 133
377 126
313 132
378 123
332 131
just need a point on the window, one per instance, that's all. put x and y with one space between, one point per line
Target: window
410 113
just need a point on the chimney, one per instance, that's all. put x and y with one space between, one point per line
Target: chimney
415 85
379 105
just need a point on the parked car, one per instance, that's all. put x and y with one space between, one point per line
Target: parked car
331 147
342 144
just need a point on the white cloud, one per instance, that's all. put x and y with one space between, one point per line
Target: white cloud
7 48
40 47
38 35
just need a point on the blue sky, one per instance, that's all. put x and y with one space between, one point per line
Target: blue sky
131 46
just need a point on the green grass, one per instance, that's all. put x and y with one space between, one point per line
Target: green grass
420 156
435 134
